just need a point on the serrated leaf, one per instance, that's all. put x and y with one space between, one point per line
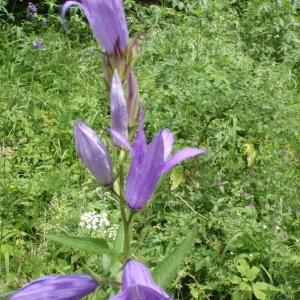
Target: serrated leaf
166 271
95 245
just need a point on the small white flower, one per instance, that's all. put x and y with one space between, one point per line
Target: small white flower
94 221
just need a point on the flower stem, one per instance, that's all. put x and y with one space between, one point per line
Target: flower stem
126 223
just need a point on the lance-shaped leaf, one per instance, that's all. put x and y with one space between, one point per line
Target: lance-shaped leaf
56 287
137 283
107 20
118 109
95 245
166 271
132 98
93 153
149 162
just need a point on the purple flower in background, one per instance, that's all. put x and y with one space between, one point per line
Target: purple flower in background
149 162
38 44
118 108
31 8
93 153
137 284
56 287
251 206
107 20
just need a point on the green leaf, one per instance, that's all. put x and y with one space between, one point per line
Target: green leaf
243 267
166 271
95 245
259 294
247 272
253 272
259 289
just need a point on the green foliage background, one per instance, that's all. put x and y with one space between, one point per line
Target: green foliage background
224 75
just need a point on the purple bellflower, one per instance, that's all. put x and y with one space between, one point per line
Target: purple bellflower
56 287
93 153
107 20
149 162
38 44
118 108
137 284
32 8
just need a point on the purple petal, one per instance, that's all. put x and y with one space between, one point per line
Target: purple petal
93 153
144 175
107 20
121 140
168 142
140 143
57 287
140 293
137 283
66 6
118 108
180 156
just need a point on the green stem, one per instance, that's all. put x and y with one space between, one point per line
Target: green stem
126 223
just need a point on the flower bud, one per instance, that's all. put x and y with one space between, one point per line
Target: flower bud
118 108
93 153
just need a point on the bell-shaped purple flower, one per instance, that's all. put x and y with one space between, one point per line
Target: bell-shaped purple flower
137 284
149 162
93 153
32 8
56 287
118 108
107 20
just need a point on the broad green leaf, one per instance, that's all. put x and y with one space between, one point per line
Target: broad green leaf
253 272
259 294
95 245
259 289
243 267
166 271
247 272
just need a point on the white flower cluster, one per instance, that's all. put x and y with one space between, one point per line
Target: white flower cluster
94 221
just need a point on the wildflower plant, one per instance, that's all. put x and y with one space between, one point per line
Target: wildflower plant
132 189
